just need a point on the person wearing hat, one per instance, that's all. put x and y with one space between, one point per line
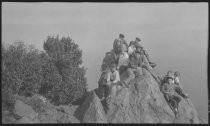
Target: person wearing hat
137 40
139 47
135 64
171 97
120 44
179 88
169 73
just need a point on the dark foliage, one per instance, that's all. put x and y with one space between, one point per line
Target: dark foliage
55 73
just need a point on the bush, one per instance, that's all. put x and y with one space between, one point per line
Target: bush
66 56
22 68
55 73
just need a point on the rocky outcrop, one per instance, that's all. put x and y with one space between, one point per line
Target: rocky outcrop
142 102
91 111
35 110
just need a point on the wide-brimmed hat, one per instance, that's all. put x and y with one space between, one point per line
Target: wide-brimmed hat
138 45
169 75
138 39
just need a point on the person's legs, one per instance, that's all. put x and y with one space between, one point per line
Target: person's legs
138 72
177 99
101 91
180 92
113 90
122 69
174 105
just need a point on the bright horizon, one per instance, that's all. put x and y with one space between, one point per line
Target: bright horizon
174 34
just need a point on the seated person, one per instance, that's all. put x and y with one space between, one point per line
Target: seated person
178 85
178 89
120 43
171 97
139 47
176 79
135 64
131 48
113 79
123 61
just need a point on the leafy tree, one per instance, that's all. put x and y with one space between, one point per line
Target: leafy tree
21 68
67 57
54 73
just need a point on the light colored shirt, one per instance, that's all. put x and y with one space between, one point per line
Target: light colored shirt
123 59
176 80
113 77
131 49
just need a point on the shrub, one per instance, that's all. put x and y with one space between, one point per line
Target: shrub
66 56
54 73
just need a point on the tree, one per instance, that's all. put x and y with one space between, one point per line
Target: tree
67 57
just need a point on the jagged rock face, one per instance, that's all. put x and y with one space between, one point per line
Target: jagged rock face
142 102
34 110
91 111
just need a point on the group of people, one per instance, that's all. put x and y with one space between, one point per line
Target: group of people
132 58
172 90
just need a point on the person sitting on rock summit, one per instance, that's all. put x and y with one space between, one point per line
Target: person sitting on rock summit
176 79
131 48
120 44
137 43
136 61
123 61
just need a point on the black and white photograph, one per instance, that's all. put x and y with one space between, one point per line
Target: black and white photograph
110 62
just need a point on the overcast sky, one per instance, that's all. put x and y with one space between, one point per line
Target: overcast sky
174 34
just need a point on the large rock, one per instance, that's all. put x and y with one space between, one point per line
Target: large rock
91 111
24 110
142 102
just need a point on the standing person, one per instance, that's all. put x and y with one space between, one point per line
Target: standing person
171 97
120 44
